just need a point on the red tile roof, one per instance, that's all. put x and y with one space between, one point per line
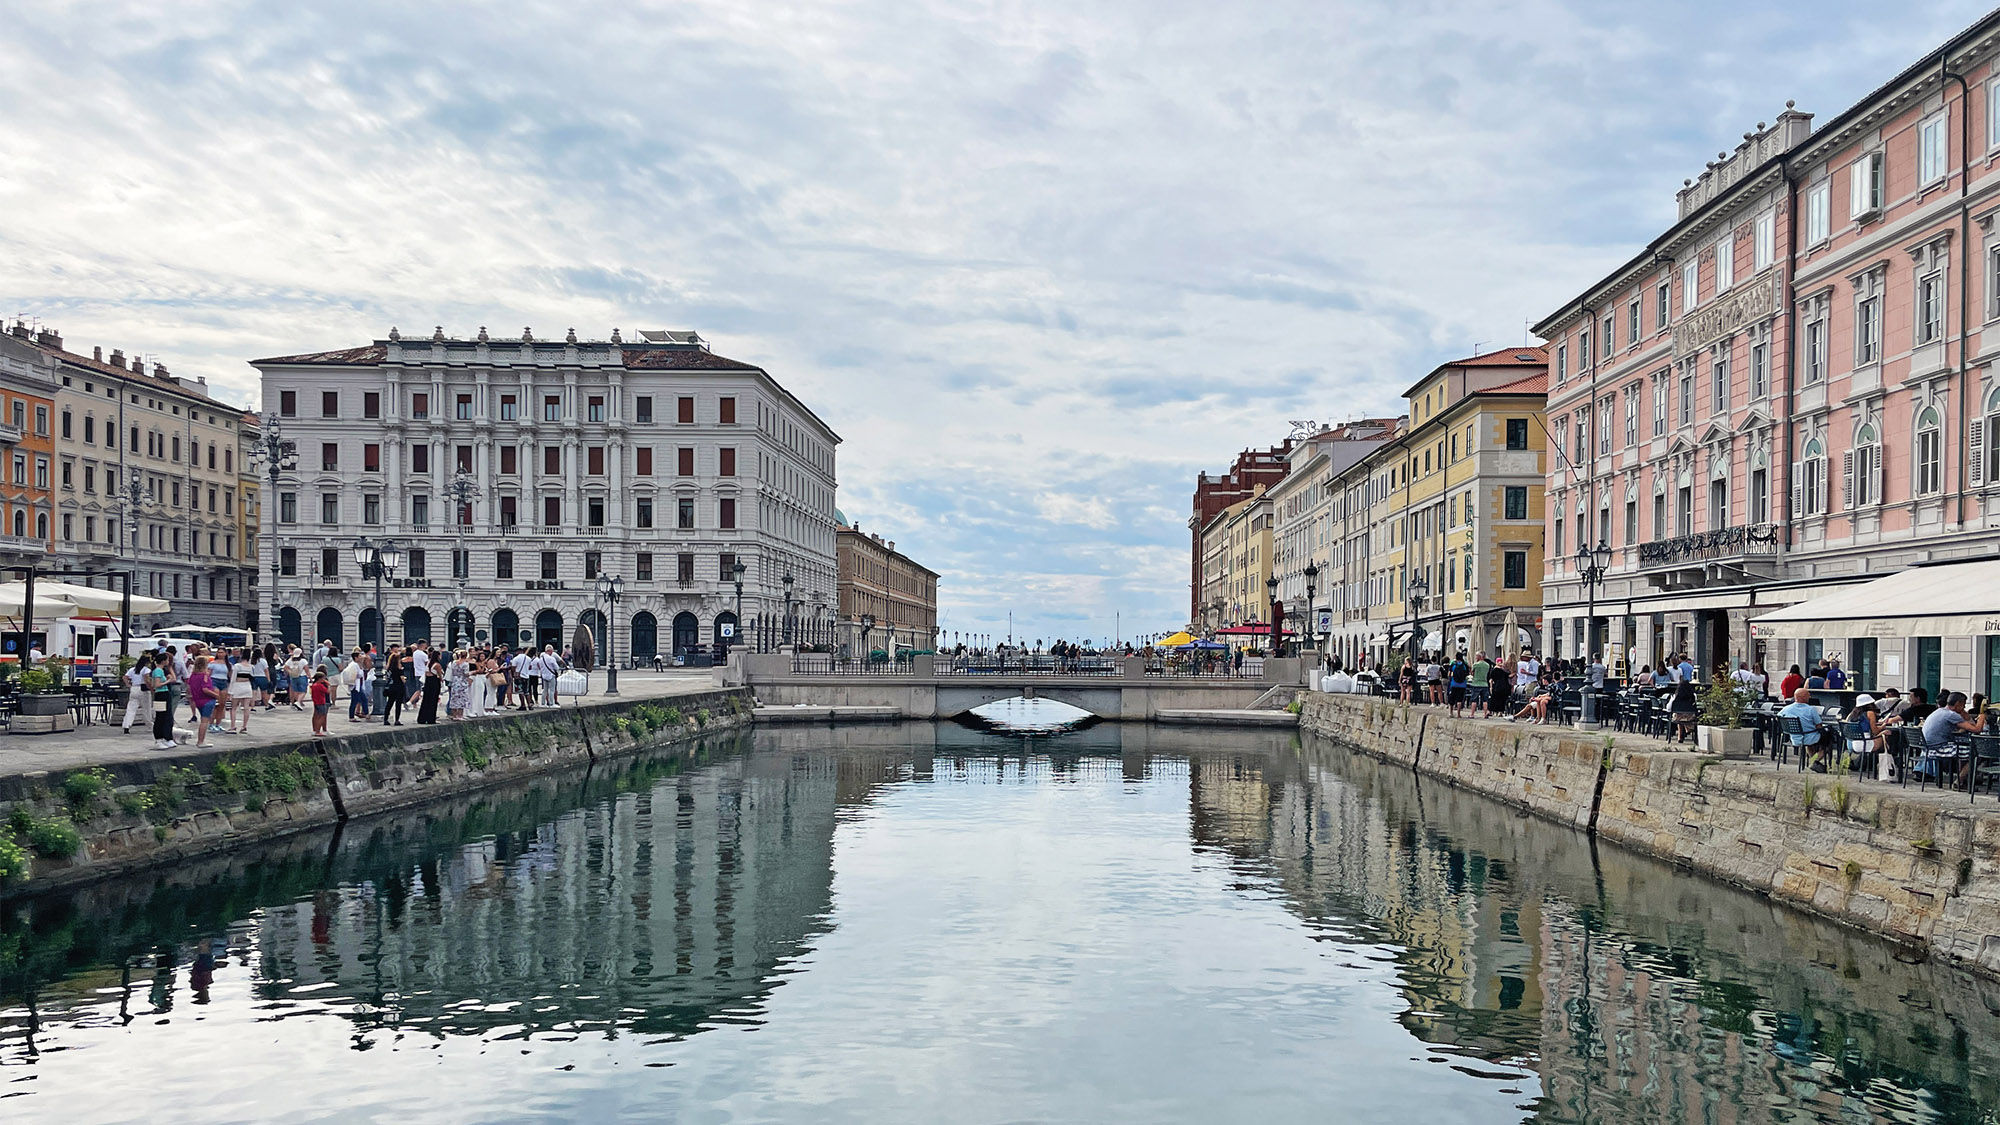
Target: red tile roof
1505 357
1536 384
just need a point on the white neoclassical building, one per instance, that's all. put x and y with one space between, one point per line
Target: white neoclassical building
511 474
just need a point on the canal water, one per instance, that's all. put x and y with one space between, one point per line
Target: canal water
923 923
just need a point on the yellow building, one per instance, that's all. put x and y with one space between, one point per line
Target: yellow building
1249 533
1472 523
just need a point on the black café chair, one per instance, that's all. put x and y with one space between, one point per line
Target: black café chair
1790 728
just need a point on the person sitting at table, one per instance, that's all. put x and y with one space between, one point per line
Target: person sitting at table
1918 708
1890 706
1663 676
1810 740
1873 736
1538 702
1682 710
1817 681
1945 722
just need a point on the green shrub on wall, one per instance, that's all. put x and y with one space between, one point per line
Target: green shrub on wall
13 859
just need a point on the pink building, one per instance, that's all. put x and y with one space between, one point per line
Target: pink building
1789 389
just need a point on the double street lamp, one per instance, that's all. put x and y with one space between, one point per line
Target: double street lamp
787 627
381 558
1591 563
1312 623
1420 588
609 590
278 456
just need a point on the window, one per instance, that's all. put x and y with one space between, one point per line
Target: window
1725 261
726 410
510 408
1583 350
684 570
68 468
1517 433
1760 490
643 512
371 509
1718 376
643 458
1763 241
414 562
463 459
686 459
1517 501
1687 393
1631 519
726 513
329 562
551 408
1690 286
1663 306
1809 487
596 408
1815 357
1604 426
1684 510
510 512
177 438
1760 370
1562 362
593 561
1659 405
371 458
329 404
1818 226
728 567
90 430
684 515
1932 149
548 565
594 513
66 427
1632 322
1514 570
645 566
420 459
1864 187
552 460
420 511
1582 449
288 561
726 461
288 507
643 408
594 460
686 409
1868 330
1718 505
1632 415
1864 469
1610 335
329 456
1930 308
288 406
551 511
90 479
503 564
462 408
1930 448
1659 513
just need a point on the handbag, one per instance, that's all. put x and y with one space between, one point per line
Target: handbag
497 679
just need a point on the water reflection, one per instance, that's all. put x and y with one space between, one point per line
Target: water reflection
1170 909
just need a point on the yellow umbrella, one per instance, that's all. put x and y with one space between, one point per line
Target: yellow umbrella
1175 641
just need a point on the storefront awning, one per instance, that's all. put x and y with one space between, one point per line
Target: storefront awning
1941 600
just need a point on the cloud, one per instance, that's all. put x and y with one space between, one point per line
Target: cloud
1038 264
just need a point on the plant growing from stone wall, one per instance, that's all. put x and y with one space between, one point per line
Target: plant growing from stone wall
82 788
13 859
55 837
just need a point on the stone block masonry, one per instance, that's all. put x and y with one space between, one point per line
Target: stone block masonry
1920 868
90 823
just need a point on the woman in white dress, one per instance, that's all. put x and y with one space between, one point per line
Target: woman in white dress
482 692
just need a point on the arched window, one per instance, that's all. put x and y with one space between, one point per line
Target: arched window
41 525
1930 453
645 636
1718 490
1864 468
329 628
506 628
687 633
725 632
20 523
1809 481
416 625
290 626
1559 529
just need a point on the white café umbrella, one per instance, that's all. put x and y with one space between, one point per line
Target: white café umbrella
47 607
82 597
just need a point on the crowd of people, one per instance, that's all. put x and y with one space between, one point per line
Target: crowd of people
218 691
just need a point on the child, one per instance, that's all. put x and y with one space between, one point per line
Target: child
322 697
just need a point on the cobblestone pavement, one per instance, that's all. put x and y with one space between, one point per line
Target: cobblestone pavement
103 743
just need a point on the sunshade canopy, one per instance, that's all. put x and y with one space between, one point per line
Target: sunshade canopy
85 597
1177 640
1945 600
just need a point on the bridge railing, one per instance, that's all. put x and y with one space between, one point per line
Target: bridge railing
828 664
1027 666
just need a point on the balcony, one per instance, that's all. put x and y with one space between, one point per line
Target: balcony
1725 557
10 435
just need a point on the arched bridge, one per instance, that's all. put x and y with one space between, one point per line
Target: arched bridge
921 689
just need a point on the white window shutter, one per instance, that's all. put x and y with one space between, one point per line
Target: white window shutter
1978 466
1824 485
1875 495
1857 187
1798 492
1847 479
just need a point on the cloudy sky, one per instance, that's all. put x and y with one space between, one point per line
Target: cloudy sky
1038 263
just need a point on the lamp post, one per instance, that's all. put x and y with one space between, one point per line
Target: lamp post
867 626
610 590
1420 588
1591 563
1271 609
787 626
736 572
277 455
1312 624
381 557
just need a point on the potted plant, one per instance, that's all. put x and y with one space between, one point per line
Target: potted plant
40 695
1721 730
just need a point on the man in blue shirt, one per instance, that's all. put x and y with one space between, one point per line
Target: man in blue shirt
1808 740
1836 678
1685 670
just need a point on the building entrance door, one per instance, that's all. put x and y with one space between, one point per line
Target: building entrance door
1930 665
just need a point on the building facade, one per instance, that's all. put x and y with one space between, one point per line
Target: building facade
894 593
143 474
1792 388
1254 471
1305 531
513 474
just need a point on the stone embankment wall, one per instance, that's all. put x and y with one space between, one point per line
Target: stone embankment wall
87 824
1919 868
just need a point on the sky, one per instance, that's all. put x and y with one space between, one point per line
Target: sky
1038 264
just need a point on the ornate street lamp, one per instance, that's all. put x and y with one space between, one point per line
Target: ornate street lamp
610 590
1591 563
382 558
278 456
1312 623
1271 610
1420 588
736 572
787 626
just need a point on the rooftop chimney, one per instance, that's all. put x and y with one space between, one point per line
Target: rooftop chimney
97 353
48 338
118 357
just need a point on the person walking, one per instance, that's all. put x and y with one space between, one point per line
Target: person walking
355 676
458 682
427 711
549 668
394 690
163 680
139 692
300 686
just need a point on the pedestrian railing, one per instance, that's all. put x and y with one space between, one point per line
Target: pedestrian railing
826 664
995 666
